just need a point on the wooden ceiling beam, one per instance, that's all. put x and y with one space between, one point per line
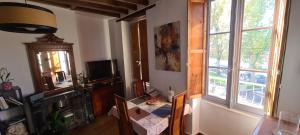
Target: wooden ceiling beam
97 11
135 14
48 2
125 4
52 3
142 2
91 5
114 3
99 6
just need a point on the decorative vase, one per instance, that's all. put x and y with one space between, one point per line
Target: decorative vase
170 94
6 85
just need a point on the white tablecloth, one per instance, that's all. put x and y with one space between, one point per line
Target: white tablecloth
151 124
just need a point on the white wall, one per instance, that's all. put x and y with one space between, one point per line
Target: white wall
93 36
219 120
71 25
121 50
126 39
290 93
115 31
167 11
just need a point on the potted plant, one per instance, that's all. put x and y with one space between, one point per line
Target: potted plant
6 83
58 124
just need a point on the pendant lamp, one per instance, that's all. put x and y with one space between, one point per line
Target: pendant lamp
26 18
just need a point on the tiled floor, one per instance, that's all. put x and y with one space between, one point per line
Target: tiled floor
104 125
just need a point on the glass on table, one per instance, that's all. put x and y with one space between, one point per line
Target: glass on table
288 124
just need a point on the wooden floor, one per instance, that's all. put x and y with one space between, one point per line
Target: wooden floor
104 125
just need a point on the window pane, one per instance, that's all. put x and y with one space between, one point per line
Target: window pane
255 49
252 87
220 13
217 84
258 13
218 50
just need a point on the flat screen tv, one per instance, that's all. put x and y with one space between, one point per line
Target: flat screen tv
99 69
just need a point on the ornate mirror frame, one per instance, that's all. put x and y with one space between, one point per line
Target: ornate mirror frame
49 42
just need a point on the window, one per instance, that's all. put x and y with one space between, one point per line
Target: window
219 44
239 42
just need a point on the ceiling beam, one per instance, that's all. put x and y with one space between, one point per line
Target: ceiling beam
97 6
125 4
51 2
97 11
100 6
142 2
74 3
114 3
137 13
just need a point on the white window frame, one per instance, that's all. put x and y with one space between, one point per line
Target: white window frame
236 25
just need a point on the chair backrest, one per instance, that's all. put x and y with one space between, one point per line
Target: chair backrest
139 89
125 126
176 120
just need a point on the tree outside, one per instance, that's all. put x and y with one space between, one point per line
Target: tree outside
219 43
255 44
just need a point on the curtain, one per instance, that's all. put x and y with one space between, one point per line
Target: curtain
280 29
196 47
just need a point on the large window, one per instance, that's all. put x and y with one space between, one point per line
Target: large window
239 42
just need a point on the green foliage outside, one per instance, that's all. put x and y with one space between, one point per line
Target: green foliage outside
255 43
219 22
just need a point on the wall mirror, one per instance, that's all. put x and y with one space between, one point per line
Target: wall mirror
52 64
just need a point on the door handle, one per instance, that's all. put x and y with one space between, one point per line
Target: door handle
138 62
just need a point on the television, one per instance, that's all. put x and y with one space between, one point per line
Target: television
101 69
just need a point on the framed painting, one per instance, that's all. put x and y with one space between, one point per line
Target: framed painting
167 47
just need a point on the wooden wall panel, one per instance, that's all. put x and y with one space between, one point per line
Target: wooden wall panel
103 100
140 50
144 50
135 50
196 48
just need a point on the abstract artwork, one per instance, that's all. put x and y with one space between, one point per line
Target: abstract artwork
167 47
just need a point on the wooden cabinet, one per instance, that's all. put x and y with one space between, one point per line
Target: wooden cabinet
69 105
103 96
102 99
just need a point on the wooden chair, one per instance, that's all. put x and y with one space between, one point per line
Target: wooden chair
177 115
125 126
139 89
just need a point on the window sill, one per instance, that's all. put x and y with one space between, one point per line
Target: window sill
233 109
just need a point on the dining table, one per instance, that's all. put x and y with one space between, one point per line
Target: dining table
149 119
266 126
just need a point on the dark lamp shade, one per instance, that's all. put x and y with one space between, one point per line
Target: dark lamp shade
25 18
